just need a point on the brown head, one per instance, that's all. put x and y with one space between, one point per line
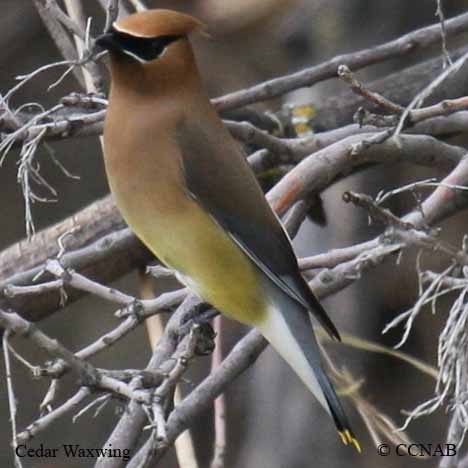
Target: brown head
150 51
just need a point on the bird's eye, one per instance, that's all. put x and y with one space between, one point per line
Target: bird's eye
143 49
157 47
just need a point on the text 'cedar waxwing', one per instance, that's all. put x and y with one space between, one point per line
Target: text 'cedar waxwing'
183 185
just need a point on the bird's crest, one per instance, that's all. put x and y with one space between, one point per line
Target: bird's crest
155 23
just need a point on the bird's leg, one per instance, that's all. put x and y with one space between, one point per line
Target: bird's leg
197 316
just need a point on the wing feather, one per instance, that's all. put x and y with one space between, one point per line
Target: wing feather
214 169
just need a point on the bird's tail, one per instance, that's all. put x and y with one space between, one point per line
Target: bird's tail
288 328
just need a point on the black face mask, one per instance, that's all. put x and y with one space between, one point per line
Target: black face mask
144 49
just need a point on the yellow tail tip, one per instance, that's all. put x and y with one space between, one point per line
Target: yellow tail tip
357 445
343 437
348 438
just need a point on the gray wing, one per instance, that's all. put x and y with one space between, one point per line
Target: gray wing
219 178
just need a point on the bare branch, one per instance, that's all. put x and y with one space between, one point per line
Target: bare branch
84 45
138 5
428 90
375 211
322 168
443 34
399 47
345 74
112 13
108 7
11 396
219 403
46 420
58 33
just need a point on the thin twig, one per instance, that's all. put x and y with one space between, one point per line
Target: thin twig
345 74
45 421
428 90
46 404
11 396
443 34
219 403
59 35
112 12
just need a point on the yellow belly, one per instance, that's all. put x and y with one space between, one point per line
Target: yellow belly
192 243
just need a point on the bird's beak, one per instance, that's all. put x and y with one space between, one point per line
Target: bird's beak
107 41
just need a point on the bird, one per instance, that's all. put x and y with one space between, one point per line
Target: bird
183 185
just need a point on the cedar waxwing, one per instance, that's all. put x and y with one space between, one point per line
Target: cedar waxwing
183 185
